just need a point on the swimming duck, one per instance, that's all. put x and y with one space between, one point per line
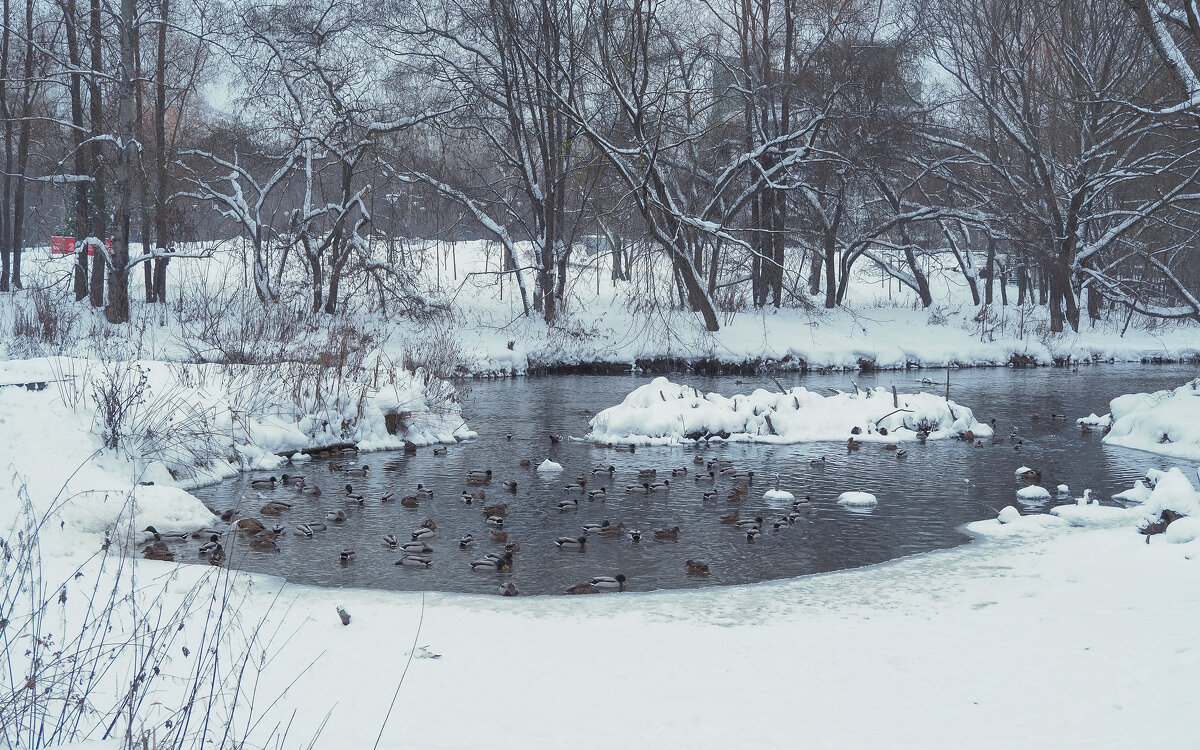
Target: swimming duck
263 484
293 479
647 473
511 486
730 517
216 556
611 530
249 525
610 583
430 524
635 535
696 568
388 497
410 501
710 495
491 563
568 504
495 521
575 486
498 536
668 534
852 444
901 453
274 509
336 466
466 498
415 561
439 451
804 501
415 548
513 546
638 488
752 533
389 540
347 555
337 516
264 541
479 477
166 536
599 494
310 489
566 542
555 438
606 470
213 542
303 530
698 461
1030 475
818 462
353 496
681 471
317 525
422 533
591 528
509 589
750 524
709 477
205 533
496 509
782 522
277 528
525 462
659 486
583 588
466 541
158 550
891 447
358 471
424 492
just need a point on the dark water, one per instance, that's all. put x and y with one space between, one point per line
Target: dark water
923 499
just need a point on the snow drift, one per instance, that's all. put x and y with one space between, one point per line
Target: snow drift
1166 422
662 412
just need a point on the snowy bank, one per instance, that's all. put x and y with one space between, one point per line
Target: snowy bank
1166 422
662 412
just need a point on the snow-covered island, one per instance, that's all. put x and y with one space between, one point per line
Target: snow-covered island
1166 422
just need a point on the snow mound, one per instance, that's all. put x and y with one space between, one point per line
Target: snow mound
662 412
779 496
1096 516
857 499
1008 514
1033 492
1092 420
1166 422
1139 493
549 467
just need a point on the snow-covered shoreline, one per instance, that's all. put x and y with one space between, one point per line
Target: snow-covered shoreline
1166 422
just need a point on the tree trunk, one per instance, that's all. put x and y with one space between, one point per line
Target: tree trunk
98 213
991 269
5 179
162 240
830 270
117 310
70 18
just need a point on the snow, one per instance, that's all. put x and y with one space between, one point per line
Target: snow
856 499
662 413
1033 492
779 496
1166 422
549 467
1008 514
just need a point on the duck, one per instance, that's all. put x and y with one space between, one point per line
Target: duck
902 453
496 509
852 444
278 529
263 484
509 589
491 563
755 523
410 501
439 451
575 486
415 561
891 447
310 489
698 460
422 533
668 534
566 542
1030 475
495 522
802 502
525 462
466 541
158 550
752 533
249 525
388 497
347 555
568 504
782 522
1085 429
638 488
336 466
710 495
389 540
359 471
583 588
264 541
274 509
205 533
746 476
718 464
513 546
555 438
598 494
430 524
415 548
466 498
477 476
592 528
213 542
511 486
696 568
635 535
293 479
612 530
681 471
317 525
337 516
353 496
216 556
610 583
303 529
166 536
730 517
498 536
647 473
817 463
709 477
424 492
605 470
665 484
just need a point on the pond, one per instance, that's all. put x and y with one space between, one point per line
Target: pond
923 499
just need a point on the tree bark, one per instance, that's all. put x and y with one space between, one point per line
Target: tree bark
117 310
97 213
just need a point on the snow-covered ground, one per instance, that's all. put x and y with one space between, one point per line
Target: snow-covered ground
1166 422
661 412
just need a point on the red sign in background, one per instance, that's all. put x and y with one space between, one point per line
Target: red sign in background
66 246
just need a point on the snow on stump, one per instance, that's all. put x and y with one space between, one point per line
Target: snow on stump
549 467
1033 492
662 413
1008 514
857 499
781 496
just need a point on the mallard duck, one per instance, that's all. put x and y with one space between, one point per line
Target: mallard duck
496 509
891 447
498 536
698 460
599 494
566 542
583 588
166 536
491 563
513 546
216 556
525 462
337 516
389 540
611 583
635 535
495 521
730 517
575 486
484 475
336 466
852 444
440 450
681 471
349 450
511 486
410 501
293 479
416 548
710 495
747 523
638 488
317 525
205 533
647 473
612 530
708 477
668 534
274 509
422 533
359 471
249 525
263 484
353 496
804 501
1085 429
278 528
347 555
746 476
1031 475
718 464
555 438
264 541
661 485
415 561
388 497
310 489
213 542
158 550
782 521
466 541
592 528
818 463
466 498
509 589
626 448
303 530
696 568
568 504
901 453
604 470
752 533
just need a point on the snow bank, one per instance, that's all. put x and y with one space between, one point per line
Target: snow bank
662 412
1166 422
